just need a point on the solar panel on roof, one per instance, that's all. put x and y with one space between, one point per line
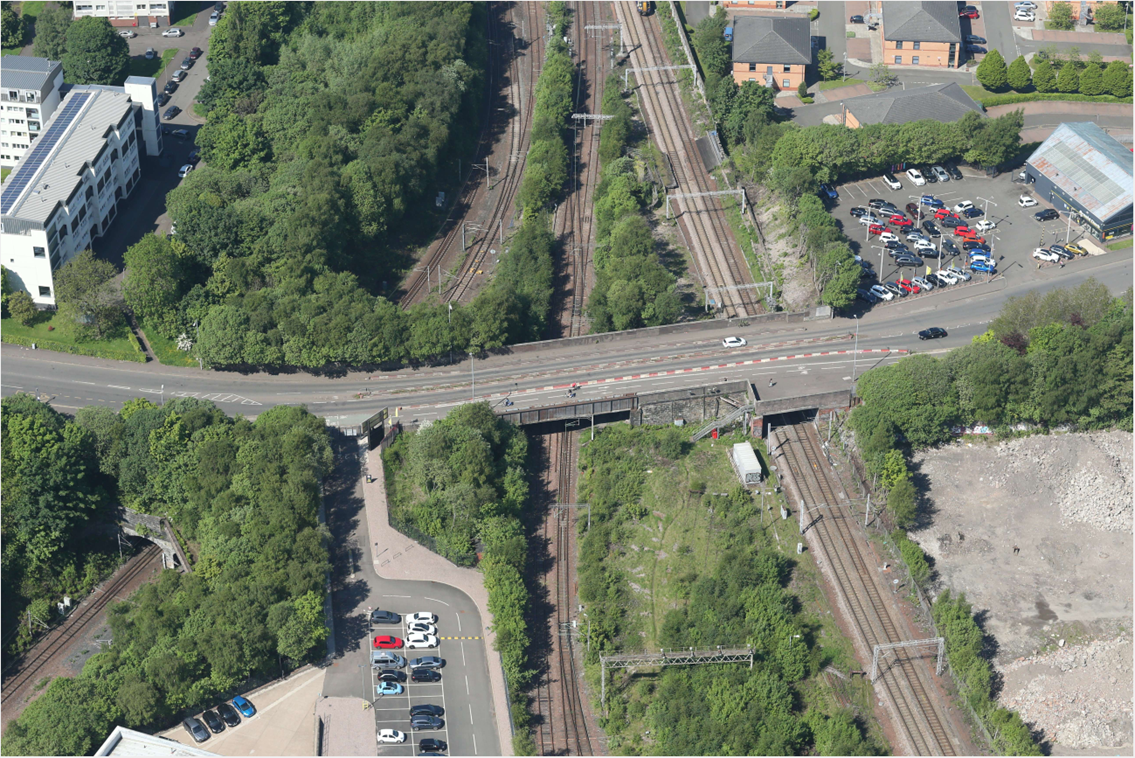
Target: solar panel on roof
39 153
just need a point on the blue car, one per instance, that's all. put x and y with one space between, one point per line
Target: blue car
246 708
932 201
389 688
829 191
982 266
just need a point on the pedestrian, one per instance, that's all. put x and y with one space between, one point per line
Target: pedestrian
1016 550
770 382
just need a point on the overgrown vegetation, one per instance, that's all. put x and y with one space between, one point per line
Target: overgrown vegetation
246 497
732 592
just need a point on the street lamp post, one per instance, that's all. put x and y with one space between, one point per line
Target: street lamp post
473 374
197 344
855 354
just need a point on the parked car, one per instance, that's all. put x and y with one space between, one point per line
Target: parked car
214 17
195 53
1025 4
228 714
219 7
876 228
1048 214
954 172
915 176
910 287
389 688
1026 201
856 20
829 192
161 99
173 31
881 292
213 721
867 219
171 87
964 231
1061 251
940 172
894 289
427 710
888 237
950 222
425 675
932 201
128 33
187 63
386 641
933 333
151 53
942 213
969 12
928 175
171 113
391 675
925 247
941 278
421 627
734 342
246 708
384 617
976 49
891 181
390 737
959 273
949 246
858 211
877 202
428 661
179 76
963 205
903 261
1044 254
386 659
196 729
901 221
184 171
923 283
985 225
984 267
915 236
913 210
430 745
973 213
931 228
418 641
975 245
1075 249
866 296
425 722
973 39
1024 14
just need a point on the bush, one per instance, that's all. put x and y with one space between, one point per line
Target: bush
1019 75
991 71
802 90
22 307
1109 17
1060 17
912 556
91 349
1030 97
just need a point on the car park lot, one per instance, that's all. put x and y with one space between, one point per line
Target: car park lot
1012 241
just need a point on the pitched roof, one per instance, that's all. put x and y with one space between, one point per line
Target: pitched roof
767 39
1087 163
940 102
25 72
933 21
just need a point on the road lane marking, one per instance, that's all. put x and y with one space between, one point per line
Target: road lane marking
462 653
467 686
117 387
436 600
90 383
11 386
471 713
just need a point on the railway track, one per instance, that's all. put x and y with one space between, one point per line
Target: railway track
707 232
854 573
525 19
57 639
528 18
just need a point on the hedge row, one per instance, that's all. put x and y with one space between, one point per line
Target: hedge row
138 356
1015 97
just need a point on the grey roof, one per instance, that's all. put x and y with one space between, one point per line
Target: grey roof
767 39
940 102
1087 163
54 178
25 72
921 22
123 741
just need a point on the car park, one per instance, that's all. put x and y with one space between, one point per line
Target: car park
891 181
184 171
430 745
386 641
734 342
173 31
1026 201
425 722
427 661
933 333
427 710
1048 214
1043 254
389 688
985 267
881 292
930 228
386 659
391 675
384 617
128 33
390 737
858 211
418 641
985 225
923 283
829 192
940 173
213 721
196 729
228 714
423 675
915 176
247 709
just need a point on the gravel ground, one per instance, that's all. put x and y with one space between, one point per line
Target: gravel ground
1065 502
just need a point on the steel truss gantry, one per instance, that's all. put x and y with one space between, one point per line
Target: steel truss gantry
939 641
606 27
686 657
683 195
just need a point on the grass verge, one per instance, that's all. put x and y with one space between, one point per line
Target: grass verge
165 350
154 66
836 83
1121 245
49 333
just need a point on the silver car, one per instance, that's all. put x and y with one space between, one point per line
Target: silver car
941 174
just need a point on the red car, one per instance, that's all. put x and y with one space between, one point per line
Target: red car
963 231
973 238
876 228
942 213
908 286
901 221
385 641
969 13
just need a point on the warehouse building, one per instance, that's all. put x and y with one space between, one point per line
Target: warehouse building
1083 170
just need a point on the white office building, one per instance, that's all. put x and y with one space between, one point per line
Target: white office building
29 94
65 190
127 13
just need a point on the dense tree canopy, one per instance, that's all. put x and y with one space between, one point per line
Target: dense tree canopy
94 53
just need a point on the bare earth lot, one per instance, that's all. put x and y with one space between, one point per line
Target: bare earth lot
1060 609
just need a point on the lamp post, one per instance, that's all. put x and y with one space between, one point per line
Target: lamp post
197 344
473 374
855 354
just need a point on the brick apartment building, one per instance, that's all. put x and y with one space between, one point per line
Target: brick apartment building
922 34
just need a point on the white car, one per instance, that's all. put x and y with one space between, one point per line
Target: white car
924 245
128 33
420 641
423 616
923 283
1025 4
173 32
916 236
940 174
941 279
734 342
882 292
1024 14
892 182
1044 254
888 237
985 225
391 737
947 276
959 274
421 627
184 172
963 206
1026 201
915 176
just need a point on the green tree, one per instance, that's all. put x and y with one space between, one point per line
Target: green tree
1117 79
140 702
1091 80
1109 17
11 27
88 295
222 336
1044 79
22 308
901 502
1060 17
881 74
157 277
305 629
95 53
1069 79
802 90
51 27
991 71
829 68
1019 75
233 143
709 42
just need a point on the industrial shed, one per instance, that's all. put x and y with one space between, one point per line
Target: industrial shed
1083 170
745 463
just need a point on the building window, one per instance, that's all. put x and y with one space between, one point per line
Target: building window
917 45
898 45
914 61
787 83
45 291
898 60
752 66
39 252
788 69
13 95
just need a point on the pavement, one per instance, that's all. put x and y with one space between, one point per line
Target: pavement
284 723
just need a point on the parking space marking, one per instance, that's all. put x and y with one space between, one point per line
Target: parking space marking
459 638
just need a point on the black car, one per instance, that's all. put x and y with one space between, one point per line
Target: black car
161 99
931 229
858 211
894 245
425 675
213 721
426 710
196 729
171 113
171 87
952 170
866 296
903 261
876 202
948 245
950 222
187 64
973 39
973 212
427 662
976 49
1047 215
391 675
430 745
928 175
228 714
194 156
1061 251
426 722
219 7
384 617
971 245
932 333
856 20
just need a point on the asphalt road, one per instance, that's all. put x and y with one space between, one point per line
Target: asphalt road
464 691
70 382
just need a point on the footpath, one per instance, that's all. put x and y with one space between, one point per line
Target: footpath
404 558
